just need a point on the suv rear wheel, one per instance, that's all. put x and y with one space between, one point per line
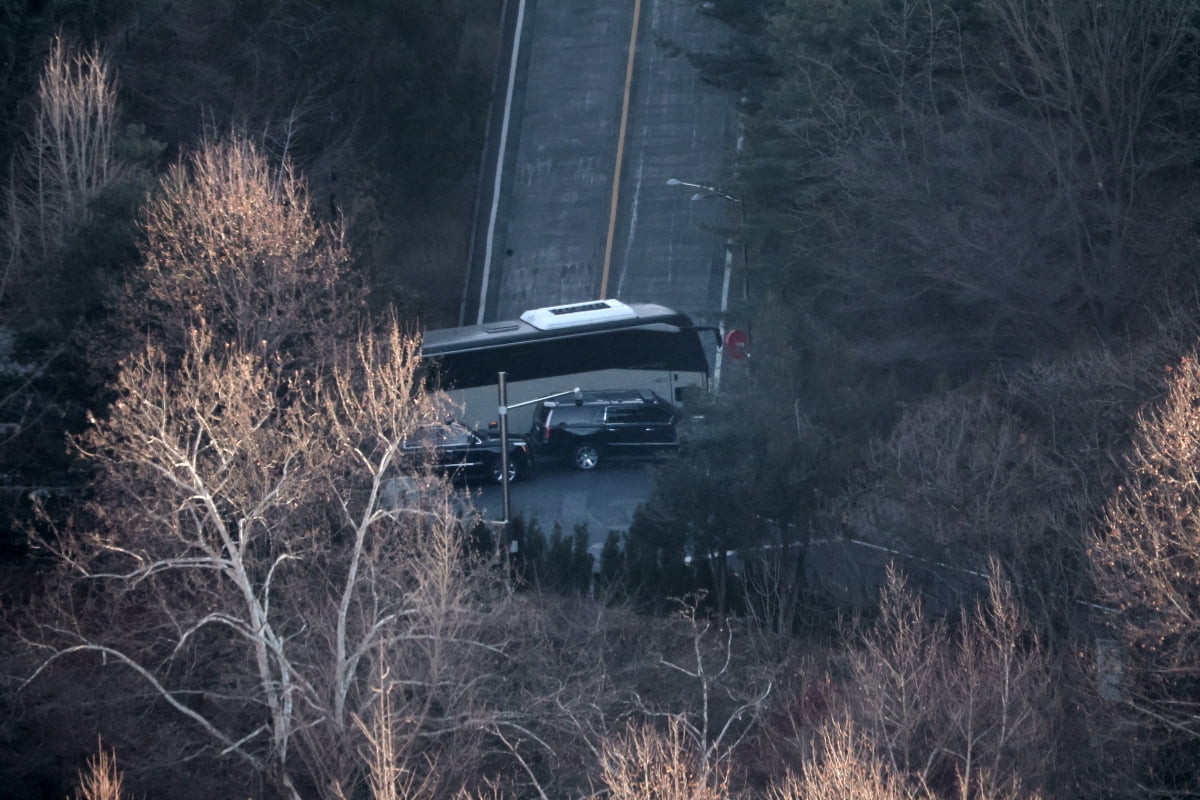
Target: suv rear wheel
585 456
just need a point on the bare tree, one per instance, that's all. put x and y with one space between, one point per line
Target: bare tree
232 243
705 689
1145 558
388 774
965 712
1101 75
895 680
601 693
963 479
905 158
250 562
66 161
967 184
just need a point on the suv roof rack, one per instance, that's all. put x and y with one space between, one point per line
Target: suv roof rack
607 397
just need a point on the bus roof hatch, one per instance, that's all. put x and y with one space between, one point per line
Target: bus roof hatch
570 316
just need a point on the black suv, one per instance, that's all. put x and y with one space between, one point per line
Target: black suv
465 454
601 424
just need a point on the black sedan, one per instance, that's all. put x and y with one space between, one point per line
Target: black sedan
465 454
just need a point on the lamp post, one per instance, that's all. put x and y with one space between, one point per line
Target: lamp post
502 388
712 191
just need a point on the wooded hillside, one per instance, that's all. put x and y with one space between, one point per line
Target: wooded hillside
968 233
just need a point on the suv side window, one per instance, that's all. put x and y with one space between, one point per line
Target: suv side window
625 415
638 415
576 415
658 415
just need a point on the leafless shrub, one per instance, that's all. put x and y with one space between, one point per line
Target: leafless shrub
102 781
490 790
773 587
578 671
646 762
843 767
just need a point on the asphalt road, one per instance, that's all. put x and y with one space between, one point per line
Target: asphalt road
554 236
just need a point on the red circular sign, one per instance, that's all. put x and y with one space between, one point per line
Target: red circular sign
737 344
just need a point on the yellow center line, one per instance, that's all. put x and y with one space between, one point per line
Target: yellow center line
616 185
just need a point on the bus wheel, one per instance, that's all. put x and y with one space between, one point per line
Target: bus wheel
585 456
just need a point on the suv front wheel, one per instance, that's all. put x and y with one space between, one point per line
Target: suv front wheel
585 456
515 471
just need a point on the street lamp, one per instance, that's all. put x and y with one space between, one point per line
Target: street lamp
502 387
712 191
